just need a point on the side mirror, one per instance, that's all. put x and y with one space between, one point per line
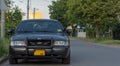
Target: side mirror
11 31
68 30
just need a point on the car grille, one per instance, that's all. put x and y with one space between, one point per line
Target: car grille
39 42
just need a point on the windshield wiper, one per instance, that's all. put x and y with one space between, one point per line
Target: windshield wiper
24 31
44 31
49 31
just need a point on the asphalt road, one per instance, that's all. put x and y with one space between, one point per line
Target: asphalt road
82 54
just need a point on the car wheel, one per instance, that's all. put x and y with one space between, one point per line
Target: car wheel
12 60
66 60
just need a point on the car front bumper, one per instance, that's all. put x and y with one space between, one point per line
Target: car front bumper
28 52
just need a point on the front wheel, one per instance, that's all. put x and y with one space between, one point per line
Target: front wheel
12 60
66 60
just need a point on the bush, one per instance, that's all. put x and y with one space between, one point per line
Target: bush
100 38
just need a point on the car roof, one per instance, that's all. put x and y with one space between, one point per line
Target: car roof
29 20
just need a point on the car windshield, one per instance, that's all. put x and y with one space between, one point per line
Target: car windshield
39 27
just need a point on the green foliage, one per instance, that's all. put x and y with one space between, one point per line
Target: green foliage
102 15
57 10
4 47
97 13
13 16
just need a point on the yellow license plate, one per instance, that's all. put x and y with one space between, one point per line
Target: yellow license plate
39 53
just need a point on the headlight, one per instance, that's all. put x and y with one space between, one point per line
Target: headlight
61 43
18 43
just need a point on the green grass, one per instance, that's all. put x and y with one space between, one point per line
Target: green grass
108 41
4 47
104 41
100 40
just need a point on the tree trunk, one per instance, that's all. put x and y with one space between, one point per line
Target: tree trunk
98 31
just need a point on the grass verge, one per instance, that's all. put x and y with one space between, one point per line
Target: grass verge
4 47
100 40
105 41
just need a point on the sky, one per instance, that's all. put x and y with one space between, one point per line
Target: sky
40 5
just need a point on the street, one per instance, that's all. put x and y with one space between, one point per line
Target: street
82 54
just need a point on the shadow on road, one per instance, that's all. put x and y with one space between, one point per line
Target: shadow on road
40 62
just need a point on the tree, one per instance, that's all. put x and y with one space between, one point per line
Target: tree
96 13
57 10
13 16
100 15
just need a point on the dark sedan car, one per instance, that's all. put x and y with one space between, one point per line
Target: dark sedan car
39 39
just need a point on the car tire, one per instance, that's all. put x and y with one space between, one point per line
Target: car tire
12 60
66 60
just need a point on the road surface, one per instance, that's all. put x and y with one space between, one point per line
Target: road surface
82 54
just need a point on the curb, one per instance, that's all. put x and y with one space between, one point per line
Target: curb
3 59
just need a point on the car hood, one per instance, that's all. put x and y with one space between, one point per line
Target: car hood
54 36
